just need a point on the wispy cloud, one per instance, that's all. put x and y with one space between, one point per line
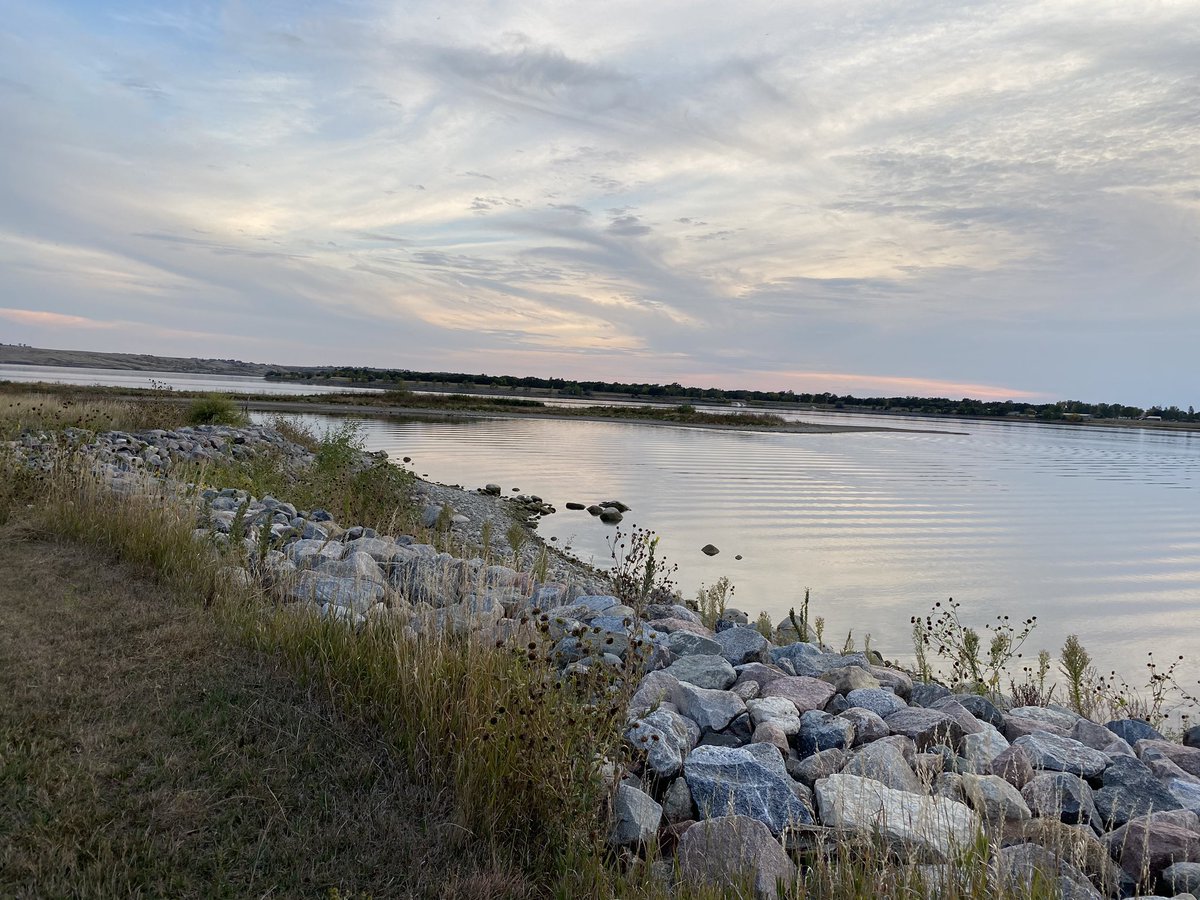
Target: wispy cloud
991 196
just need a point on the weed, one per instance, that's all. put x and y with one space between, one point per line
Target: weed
1076 665
639 575
963 649
711 602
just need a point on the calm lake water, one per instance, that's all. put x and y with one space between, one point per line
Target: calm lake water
1095 531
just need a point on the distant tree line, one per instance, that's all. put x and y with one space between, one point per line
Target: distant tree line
1064 410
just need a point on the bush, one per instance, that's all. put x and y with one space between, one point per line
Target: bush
215 409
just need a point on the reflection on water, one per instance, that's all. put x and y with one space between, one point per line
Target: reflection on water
1095 531
179 381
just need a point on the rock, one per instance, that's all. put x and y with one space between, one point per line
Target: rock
926 692
575 506
894 680
981 748
655 689
806 693
712 672
771 732
686 643
778 710
635 817
610 516
926 727
821 731
742 644
1022 868
666 738
948 785
1053 719
710 709
1144 847
1092 735
1181 878
747 690
322 589
811 769
1133 730
994 798
709 550
884 762
723 851
866 806
1062 754
759 673
1187 758
1130 789
959 713
1076 844
1013 765
981 708
733 781
1191 737
850 678
677 803
1062 796
868 726
879 701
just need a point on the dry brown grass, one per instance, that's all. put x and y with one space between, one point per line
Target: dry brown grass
146 752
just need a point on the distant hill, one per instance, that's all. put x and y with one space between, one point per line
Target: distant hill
38 356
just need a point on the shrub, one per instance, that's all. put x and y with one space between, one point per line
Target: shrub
215 409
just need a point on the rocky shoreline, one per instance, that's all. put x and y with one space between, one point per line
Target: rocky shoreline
744 753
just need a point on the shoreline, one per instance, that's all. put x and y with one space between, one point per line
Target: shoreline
290 406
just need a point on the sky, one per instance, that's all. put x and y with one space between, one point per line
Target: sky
985 199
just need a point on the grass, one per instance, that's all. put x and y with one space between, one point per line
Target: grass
27 410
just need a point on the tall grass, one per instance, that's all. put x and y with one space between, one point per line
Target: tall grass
37 411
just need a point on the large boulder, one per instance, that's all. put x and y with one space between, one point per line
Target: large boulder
926 727
878 700
777 710
1129 790
332 590
1062 796
1133 730
981 748
821 731
884 762
850 678
742 644
665 737
686 643
994 798
1187 758
711 710
1021 868
735 781
1147 845
867 807
806 693
727 851
711 672
636 817
1062 754
981 708
868 727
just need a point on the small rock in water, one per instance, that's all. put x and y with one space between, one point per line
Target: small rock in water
408 459
610 516
710 550
595 510
574 505
493 489
739 556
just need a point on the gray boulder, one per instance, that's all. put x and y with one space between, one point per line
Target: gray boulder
665 737
726 850
677 803
710 709
1062 796
711 672
994 798
734 781
1133 730
636 817
884 762
686 643
879 701
1062 754
805 692
821 731
1181 878
868 726
742 644
865 806
926 727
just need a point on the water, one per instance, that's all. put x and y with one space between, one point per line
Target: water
179 381
1095 531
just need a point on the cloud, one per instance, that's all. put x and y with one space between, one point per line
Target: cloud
993 196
